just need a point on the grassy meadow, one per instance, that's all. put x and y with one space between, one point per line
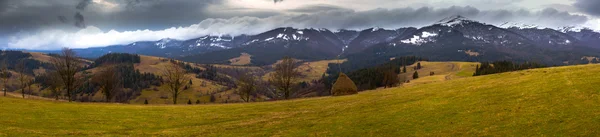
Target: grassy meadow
562 101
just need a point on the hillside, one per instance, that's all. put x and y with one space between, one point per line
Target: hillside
559 101
443 71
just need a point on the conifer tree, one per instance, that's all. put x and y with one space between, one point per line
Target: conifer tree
189 101
416 75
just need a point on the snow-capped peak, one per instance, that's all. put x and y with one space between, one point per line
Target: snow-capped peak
573 29
163 42
376 29
454 20
518 25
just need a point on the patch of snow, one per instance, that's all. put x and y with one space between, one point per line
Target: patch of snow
453 21
573 29
376 29
218 45
419 40
300 32
508 25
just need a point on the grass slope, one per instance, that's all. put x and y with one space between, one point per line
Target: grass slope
561 101
443 71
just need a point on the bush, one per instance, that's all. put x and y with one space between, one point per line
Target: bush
146 101
197 101
189 102
344 86
416 75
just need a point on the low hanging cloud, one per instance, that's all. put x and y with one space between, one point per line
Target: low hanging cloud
336 18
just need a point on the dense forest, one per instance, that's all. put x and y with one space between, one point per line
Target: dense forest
487 68
132 81
12 58
116 58
371 75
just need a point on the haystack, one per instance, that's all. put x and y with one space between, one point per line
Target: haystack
343 86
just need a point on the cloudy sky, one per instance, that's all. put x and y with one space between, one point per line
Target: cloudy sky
51 24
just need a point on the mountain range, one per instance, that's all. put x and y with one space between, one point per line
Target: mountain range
454 38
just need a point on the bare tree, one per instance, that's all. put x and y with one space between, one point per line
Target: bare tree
109 81
4 75
175 77
285 76
67 65
54 84
22 77
246 86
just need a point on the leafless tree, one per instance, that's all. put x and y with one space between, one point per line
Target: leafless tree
67 65
175 77
54 83
109 81
246 86
4 75
284 76
22 78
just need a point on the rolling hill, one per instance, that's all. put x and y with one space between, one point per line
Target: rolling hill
560 101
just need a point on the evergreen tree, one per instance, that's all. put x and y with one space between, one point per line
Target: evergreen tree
416 75
191 82
404 69
146 101
213 98
477 73
418 65
197 101
189 101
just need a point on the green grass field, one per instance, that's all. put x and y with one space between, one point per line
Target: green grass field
560 101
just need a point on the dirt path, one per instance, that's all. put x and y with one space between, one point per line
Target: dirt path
453 67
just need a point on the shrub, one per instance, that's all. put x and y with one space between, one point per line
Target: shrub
416 75
197 101
189 101
343 86
146 101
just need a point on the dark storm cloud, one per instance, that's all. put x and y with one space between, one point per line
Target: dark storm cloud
79 20
83 4
402 17
32 15
588 6
62 19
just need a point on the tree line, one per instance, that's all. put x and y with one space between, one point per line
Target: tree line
382 75
487 68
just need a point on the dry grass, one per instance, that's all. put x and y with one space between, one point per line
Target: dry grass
443 71
310 70
244 59
561 101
